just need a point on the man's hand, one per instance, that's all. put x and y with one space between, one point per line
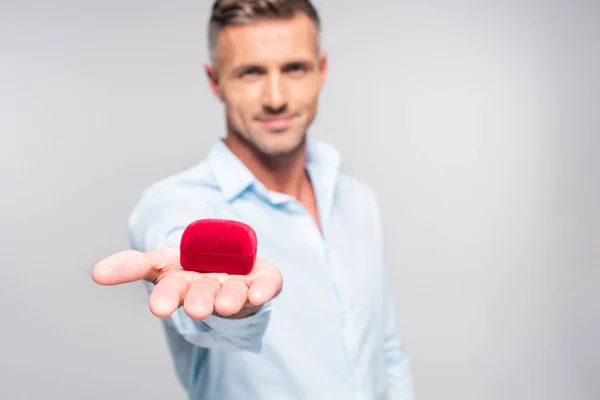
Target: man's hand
200 294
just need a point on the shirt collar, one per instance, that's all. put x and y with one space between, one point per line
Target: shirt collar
321 155
233 177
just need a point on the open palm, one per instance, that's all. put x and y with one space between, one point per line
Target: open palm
200 294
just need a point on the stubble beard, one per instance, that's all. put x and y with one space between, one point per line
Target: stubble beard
261 146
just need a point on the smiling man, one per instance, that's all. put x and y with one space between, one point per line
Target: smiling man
331 331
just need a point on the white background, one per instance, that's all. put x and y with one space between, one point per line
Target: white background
476 122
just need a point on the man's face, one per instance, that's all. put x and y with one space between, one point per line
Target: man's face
269 75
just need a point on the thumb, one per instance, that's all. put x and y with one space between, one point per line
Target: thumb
132 265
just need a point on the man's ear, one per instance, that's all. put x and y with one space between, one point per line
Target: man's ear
213 80
323 67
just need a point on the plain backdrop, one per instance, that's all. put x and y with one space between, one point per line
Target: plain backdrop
476 122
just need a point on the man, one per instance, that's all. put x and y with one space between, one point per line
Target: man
330 331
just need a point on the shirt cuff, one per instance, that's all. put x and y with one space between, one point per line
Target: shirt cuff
236 334
242 326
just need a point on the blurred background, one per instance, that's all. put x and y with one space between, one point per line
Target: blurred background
477 124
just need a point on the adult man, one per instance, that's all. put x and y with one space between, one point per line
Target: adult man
329 332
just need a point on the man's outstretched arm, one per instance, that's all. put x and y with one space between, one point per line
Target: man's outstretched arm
208 309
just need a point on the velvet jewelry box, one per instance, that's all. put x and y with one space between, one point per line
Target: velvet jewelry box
218 245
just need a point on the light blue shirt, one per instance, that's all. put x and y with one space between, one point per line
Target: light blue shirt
332 333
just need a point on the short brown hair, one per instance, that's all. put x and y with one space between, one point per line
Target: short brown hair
240 12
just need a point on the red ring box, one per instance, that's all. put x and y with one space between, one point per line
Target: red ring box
218 245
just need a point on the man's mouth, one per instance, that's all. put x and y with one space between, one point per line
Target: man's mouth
276 122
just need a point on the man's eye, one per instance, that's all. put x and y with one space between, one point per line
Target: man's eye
251 72
296 68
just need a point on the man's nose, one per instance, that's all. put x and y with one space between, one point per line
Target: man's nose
274 93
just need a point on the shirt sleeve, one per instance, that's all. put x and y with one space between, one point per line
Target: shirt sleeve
398 369
397 361
159 220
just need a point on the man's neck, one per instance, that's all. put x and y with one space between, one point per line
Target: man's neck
283 174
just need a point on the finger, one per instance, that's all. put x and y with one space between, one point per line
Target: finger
132 265
267 283
263 289
200 298
122 267
168 295
232 297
